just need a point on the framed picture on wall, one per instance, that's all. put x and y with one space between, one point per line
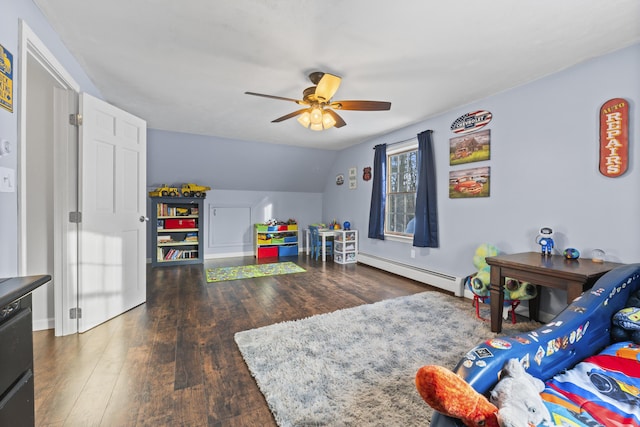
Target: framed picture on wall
468 183
472 147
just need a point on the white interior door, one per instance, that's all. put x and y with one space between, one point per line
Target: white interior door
112 201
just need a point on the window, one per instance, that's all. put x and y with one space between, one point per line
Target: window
402 175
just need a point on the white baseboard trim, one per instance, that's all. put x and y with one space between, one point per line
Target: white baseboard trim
440 280
43 324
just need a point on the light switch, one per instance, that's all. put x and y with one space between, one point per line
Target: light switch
5 147
7 180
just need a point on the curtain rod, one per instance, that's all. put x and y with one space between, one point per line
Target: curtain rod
398 142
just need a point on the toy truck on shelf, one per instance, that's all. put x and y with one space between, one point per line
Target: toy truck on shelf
194 190
164 191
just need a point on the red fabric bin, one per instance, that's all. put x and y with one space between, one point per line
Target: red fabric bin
179 223
268 252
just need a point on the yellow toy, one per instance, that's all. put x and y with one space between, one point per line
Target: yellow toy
194 190
164 191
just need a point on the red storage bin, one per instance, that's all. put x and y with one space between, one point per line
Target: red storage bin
268 252
179 223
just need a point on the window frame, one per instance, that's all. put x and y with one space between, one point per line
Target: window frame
396 149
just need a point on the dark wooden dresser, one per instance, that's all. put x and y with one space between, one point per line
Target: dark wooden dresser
16 350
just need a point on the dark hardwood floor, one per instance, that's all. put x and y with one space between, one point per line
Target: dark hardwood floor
173 360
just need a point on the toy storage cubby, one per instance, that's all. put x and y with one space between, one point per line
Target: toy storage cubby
345 246
272 241
176 230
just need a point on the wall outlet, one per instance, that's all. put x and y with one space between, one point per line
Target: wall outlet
7 180
413 253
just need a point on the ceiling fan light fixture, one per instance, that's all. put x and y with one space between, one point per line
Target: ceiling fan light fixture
316 126
316 115
305 119
327 120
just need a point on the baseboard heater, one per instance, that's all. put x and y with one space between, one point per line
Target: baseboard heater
440 280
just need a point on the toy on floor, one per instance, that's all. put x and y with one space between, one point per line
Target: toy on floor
450 395
479 284
545 240
514 402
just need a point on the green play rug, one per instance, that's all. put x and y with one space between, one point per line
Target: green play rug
221 274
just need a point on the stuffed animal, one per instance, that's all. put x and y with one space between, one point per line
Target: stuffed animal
514 402
626 322
517 395
450 395
480 285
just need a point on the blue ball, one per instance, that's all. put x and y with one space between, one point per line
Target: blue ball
571 253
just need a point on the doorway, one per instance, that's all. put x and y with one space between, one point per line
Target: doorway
46 181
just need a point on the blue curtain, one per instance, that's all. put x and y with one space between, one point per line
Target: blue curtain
426 233
378 193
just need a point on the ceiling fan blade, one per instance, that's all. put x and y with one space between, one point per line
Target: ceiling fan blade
327 87
361 105
297 101
290 115
339 121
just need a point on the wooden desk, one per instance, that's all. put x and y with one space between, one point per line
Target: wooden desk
552 271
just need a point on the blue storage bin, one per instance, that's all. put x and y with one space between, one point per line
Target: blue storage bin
290 239
288 250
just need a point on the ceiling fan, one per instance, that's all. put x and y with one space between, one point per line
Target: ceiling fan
319 113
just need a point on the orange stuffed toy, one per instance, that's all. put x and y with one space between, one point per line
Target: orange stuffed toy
450 395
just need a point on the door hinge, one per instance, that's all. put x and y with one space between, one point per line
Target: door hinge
75 313
75 119
75 217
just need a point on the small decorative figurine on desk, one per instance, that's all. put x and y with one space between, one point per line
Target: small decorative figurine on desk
545 240
346 226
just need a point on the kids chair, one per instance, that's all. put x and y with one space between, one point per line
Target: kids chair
316 243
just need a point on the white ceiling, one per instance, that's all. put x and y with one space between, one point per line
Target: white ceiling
185 65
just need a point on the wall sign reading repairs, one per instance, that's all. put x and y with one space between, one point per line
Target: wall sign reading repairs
614 137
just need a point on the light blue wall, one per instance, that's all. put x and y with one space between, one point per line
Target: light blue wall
289 181
235 165
11 12
544 172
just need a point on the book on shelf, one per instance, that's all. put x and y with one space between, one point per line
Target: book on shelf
164 209
164 238
174 254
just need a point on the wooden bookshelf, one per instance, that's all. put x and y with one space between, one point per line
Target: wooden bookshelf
177 233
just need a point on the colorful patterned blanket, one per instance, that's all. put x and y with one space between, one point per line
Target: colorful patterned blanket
602 390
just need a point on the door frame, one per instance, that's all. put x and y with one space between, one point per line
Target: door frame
30 46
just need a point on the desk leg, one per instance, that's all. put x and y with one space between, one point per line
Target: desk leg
574 290
534 305
324 248
497 298
307 241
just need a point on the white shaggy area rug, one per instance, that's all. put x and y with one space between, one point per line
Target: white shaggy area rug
356 367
